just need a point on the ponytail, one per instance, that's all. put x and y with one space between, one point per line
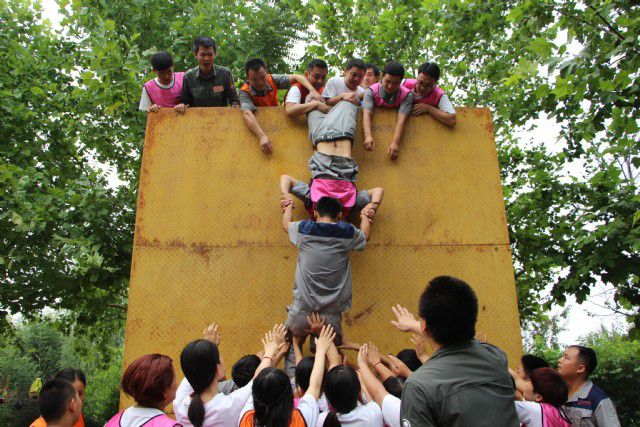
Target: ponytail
199 361
332 419
196 411
272 398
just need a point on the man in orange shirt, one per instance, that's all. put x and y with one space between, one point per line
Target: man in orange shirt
261 90
78 380
60 405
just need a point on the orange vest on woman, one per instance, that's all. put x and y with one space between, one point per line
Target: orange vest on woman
270 98
297 420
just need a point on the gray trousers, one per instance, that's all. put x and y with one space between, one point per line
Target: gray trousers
339 123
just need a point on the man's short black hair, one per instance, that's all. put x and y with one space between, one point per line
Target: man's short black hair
328 206
409 357
54 399
244 369
355 62
376 70
254 64
531 362
160 61
449 307
393 68
204 41
317 63
587 357
430 69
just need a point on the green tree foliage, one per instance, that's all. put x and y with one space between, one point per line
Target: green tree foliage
572 62
39 349
71 124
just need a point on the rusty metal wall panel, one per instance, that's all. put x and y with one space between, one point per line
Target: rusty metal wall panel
209 245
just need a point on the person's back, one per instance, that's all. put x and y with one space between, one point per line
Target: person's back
464 385
323 274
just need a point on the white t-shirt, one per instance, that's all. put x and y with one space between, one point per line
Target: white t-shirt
221 411
145 101
308 407
136 416
530 413
293 96
391 411
336 86
368 415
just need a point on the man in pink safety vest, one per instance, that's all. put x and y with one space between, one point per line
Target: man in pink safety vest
164 91
428 97
387 93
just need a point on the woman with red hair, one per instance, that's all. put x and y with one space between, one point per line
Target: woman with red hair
150 381
544 396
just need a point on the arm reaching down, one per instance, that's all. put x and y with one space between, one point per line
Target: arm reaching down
394 147
253 125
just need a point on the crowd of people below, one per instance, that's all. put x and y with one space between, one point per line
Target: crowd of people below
333 382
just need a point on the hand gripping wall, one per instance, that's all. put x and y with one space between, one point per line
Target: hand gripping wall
209 245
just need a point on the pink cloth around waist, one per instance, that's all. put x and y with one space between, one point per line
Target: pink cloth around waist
345 191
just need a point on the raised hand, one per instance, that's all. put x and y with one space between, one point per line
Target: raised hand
363 355
405 321
373 354
325 339
212 334
270 342
315 323
398 367
420 344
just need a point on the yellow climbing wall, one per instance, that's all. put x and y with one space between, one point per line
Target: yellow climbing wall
209 245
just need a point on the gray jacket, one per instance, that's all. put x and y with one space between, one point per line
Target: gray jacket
461 386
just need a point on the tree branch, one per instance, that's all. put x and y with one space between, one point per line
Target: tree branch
607 23
118 306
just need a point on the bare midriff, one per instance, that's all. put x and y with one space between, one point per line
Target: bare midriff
339 147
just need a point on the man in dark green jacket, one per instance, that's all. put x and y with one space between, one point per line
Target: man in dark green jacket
464 383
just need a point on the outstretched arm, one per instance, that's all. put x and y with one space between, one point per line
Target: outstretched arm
252 123
323 343
374 387
293 109
441 116
394 147
287 213
365 224
369 144
405 321
270 344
